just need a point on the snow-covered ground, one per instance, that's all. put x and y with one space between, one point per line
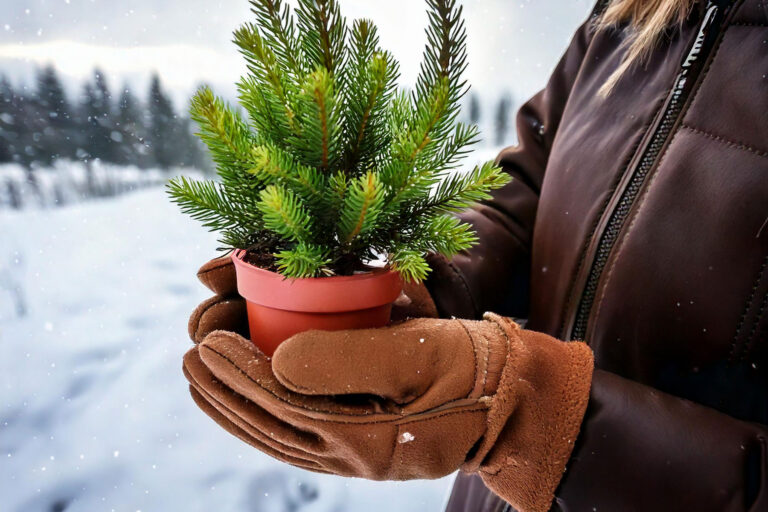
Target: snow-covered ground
67 182
94 411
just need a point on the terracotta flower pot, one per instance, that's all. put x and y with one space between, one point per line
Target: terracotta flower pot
280 307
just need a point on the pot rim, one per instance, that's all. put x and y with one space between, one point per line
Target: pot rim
315 294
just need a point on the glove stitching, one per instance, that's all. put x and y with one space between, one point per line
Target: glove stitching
202 275
282 376
487 358
478 407
474 352
222 263
394 420
491 317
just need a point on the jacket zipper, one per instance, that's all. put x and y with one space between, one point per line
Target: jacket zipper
708 32
704 42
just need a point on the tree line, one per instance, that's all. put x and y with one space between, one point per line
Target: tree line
40 124
503 116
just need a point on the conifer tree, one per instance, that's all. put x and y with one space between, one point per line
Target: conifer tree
50 95
32 132
131 125
13 116
56 140
97 115
474 109
189 150
163 126
21 126
503 113
128 111
8 134
331 165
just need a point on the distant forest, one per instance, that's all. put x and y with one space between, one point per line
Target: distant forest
40 124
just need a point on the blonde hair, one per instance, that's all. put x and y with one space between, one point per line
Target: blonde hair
647 21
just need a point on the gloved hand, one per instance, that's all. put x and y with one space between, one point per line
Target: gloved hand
418 399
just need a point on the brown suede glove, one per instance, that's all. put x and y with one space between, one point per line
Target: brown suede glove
417 399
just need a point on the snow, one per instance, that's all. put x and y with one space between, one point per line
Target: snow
94 410
68 182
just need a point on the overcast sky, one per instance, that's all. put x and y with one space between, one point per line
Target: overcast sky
512 44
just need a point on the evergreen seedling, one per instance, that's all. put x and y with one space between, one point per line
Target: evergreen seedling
334 166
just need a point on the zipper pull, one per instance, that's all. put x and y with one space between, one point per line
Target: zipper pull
705 36
710 14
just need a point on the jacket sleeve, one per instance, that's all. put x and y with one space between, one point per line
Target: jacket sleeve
494 274
641 449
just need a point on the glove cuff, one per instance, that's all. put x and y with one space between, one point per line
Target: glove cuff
534 417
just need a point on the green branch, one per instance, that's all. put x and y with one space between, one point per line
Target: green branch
333 166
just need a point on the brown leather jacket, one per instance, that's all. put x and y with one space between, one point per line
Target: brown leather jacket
640 224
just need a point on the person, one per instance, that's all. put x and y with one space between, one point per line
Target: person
637 221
